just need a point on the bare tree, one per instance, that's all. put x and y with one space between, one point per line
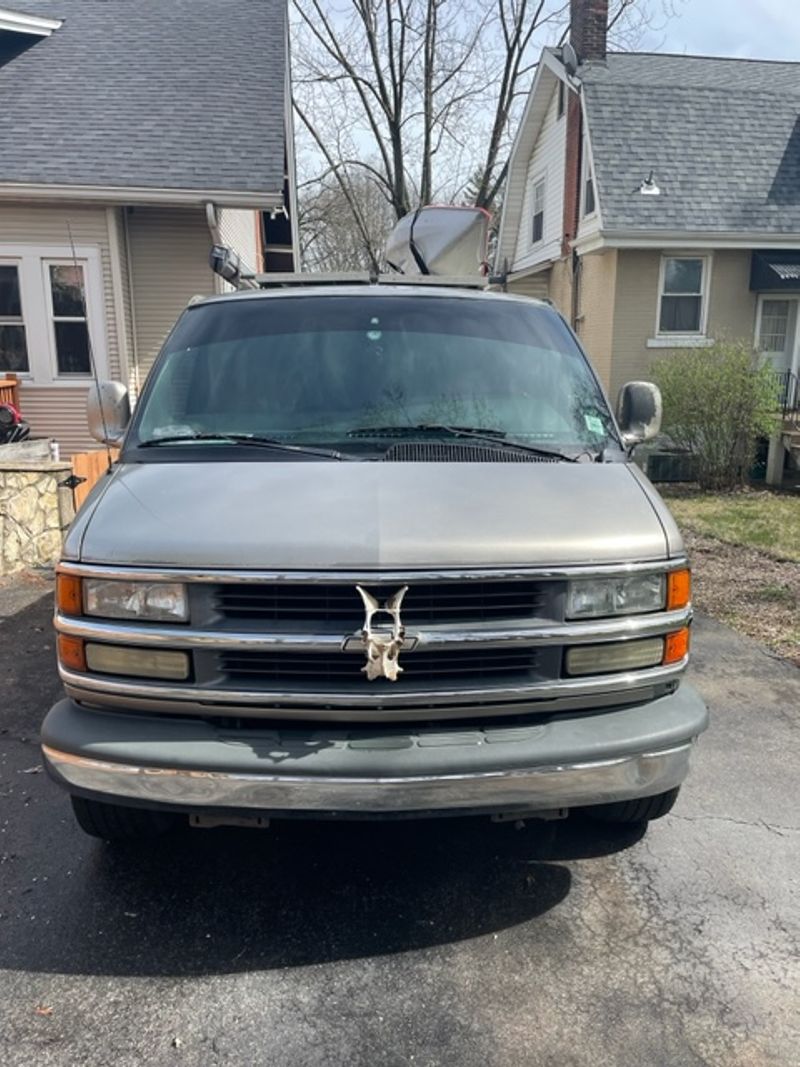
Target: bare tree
419 98
340 232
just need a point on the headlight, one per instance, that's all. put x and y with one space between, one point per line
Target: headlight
151 601
591 598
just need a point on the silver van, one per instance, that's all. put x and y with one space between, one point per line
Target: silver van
371 550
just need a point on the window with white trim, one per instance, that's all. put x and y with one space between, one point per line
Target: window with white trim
774 326
13 343
51 314
537 211
588 202
66 290
682 295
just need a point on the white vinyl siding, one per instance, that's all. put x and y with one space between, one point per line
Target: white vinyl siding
47 226
59 316
118 237
59 411
536 285
546 161
169 265
60 414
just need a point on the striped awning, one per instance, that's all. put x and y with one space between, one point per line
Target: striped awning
775 270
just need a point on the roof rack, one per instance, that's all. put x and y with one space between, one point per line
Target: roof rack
278 280
225 262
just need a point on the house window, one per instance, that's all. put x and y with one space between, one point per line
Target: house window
682 295
561 95
774 326
67 293
588 192
537 230
51 313
13 344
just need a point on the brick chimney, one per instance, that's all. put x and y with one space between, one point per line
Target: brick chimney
589 28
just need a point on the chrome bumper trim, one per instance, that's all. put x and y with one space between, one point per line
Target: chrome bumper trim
404 714
536 788
625 628
378 577
101 689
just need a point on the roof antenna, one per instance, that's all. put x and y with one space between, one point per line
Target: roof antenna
90 346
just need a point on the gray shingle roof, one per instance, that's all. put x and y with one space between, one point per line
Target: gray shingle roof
722 137
178 94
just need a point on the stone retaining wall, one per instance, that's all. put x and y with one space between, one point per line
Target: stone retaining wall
34 512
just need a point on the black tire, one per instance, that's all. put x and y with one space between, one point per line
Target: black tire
114 822
629 811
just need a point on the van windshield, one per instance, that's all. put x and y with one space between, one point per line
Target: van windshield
327 370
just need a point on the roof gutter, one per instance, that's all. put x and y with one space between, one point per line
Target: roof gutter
688 239
20 22
136 195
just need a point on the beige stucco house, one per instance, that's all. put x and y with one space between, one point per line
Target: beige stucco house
655 199
134 135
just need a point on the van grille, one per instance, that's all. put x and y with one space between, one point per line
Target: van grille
466 665
425 602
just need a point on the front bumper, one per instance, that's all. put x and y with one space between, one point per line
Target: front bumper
194 766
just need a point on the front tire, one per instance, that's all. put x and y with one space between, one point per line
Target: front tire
114 822
631 811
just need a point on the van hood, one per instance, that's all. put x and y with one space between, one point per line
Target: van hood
322 516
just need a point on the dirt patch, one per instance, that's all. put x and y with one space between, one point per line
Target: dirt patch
749 590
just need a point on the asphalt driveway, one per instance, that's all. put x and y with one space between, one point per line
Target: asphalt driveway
441 943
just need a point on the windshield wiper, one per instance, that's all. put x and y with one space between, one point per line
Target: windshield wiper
246 439
498 438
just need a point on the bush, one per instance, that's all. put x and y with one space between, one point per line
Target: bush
717 402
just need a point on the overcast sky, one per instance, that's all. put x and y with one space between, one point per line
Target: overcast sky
757 29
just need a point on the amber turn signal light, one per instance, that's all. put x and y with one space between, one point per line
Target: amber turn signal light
71 653
676 646
679 589
68 594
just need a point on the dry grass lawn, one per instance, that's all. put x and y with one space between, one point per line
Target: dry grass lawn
756 518
745 552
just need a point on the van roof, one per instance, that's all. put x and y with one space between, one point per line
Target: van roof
370 290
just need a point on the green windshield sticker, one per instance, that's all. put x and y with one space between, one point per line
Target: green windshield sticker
594 424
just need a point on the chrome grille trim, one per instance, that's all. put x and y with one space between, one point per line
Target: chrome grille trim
374 576
102 689
623 628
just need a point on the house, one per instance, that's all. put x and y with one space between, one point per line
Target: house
134 135
655 199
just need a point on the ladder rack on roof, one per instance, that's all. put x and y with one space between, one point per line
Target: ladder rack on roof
279 280
429 246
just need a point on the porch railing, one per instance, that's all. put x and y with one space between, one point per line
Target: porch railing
789 396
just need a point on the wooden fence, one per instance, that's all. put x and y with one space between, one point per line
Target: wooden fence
90 466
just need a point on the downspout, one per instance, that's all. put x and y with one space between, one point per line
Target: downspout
575 309
216 238
137 376
213 223
291 165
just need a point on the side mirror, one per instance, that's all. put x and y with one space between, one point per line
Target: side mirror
109 411
639 412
